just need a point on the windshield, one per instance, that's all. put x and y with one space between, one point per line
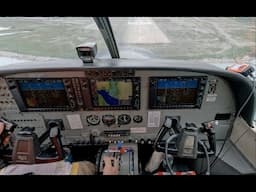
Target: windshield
212 39
220 40
26 38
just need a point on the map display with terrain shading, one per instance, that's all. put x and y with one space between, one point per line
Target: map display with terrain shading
114 93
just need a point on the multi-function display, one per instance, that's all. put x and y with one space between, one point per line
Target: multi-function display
176 92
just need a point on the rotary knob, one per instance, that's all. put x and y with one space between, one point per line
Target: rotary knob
95 132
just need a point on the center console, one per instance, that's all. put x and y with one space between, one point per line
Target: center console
127 156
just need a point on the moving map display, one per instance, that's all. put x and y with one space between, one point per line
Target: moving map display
115 93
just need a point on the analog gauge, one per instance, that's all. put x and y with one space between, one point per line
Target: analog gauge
108 119
124 119
93 119
137 118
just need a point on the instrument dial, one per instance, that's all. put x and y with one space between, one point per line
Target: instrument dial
93 119
124 119
137 118
108 119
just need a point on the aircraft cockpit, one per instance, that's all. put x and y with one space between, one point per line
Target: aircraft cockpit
154 116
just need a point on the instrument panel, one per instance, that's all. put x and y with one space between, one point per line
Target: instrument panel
115 104
112 91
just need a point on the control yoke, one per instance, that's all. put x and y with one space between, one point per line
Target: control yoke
185 142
